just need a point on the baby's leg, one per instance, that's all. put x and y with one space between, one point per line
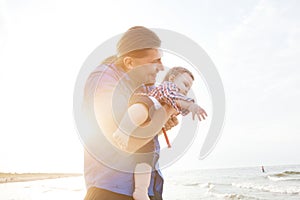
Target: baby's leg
142 177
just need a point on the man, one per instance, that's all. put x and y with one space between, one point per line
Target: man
108 170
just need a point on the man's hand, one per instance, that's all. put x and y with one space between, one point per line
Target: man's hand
173 121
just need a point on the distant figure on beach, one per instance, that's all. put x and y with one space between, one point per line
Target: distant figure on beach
262 169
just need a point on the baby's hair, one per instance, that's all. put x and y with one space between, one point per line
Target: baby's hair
177 71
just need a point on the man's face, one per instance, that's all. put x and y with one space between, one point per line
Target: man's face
184 82
147 67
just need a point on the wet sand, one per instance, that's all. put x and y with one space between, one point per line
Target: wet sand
16 177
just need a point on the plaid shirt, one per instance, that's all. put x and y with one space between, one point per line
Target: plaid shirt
167 92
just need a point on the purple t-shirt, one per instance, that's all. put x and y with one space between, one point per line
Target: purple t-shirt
102 81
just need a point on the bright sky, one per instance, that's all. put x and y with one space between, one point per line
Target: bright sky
255 45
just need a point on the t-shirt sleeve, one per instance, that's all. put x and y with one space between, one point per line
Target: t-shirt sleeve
168 92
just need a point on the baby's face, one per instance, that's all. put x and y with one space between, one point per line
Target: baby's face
184 82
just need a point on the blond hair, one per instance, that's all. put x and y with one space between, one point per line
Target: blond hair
135 43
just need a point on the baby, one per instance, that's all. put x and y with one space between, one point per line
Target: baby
176 84
172 91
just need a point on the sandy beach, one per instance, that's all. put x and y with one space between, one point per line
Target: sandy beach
246 183
21 177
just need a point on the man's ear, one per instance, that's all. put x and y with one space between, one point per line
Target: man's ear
128 62
171 77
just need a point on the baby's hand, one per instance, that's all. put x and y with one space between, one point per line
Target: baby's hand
121 139
197 110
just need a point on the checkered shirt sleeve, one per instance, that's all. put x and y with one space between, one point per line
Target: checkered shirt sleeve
168 93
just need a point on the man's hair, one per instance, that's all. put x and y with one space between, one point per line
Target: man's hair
137 38
136 43
177 71
140 53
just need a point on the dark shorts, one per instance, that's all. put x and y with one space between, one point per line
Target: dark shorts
94 193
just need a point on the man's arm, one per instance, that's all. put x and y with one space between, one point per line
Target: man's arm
135 116
109 106
131 127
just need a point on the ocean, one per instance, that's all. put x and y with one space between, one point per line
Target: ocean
278 182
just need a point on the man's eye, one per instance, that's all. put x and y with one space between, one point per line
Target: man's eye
156 61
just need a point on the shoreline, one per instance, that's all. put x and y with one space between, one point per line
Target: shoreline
22 177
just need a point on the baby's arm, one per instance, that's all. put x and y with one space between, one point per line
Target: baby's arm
169 93
194 108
